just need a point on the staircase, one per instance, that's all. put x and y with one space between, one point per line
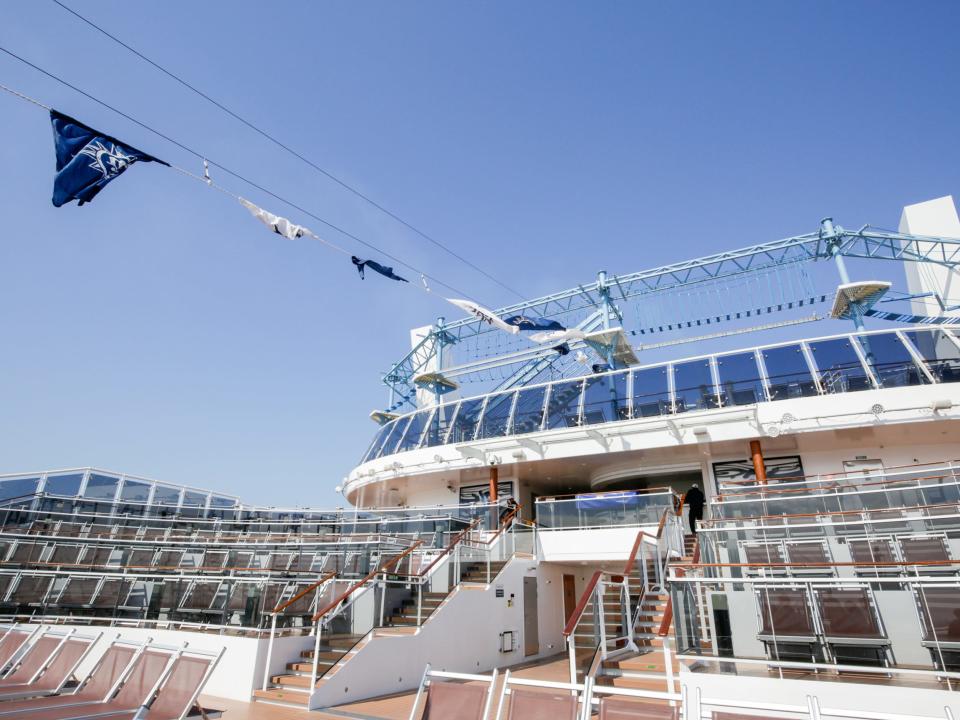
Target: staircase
293 689
646 670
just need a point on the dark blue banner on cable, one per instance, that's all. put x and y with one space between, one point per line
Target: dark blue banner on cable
87 160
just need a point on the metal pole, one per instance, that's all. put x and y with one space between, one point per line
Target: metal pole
266 667
316 658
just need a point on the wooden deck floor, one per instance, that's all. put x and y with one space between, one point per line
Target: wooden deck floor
394 707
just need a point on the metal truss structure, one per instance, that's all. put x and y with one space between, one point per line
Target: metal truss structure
600 297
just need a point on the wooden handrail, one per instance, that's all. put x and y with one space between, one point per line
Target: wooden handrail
833 486
636 543
665 623
280 608
897 563
372 574
863 511
582 605
447 549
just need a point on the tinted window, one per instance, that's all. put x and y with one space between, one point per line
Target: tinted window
563 407
135 491
63 484
411 440
740 381
166 495
528 417
693 386
788 374
839 366
892 363
938 351
440 425
651 394
17 487
465 423
101 487
382 434
391 442
605 399
496 415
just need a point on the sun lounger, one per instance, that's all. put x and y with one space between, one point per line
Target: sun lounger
46 666
453 699
522 699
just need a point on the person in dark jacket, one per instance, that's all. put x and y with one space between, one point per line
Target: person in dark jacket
694 499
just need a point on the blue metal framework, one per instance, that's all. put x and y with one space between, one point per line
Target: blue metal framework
598 299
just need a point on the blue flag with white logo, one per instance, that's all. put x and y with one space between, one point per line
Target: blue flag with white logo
533 323
87 159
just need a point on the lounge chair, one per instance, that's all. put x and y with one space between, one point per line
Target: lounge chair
537 699
48 664
453 700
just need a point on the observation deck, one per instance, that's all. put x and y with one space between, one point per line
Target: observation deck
877 377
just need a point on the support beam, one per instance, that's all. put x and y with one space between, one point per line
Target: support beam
494 477
759 469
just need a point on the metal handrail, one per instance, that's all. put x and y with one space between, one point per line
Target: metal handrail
446 551
723 498
577 614
862 511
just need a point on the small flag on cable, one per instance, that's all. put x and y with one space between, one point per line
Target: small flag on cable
279 225
87 160
387 272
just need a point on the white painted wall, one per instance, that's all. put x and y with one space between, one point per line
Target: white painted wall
240 669
463 635
936 217
596 545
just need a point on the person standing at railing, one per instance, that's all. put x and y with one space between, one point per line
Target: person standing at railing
509 508
694 500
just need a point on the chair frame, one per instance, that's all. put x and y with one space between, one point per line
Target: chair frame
427 678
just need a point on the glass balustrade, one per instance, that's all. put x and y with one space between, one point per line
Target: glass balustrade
884 359
603 509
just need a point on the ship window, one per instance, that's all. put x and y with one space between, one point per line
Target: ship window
465 423
135 491
439 425
939 352
892 363
839 365
411 439
563 407
496 415
166 495
68 485
788 374
693 386
740 381
651 393
20 486
101 487
605 399
390 444
378 440
528 417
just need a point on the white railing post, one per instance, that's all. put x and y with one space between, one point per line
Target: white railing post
419 600
316 658
266 667
383 595
668 665
572 654
599 614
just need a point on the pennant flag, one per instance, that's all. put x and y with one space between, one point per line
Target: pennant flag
484 315
280 225
537 323
376 267
87 160
558 336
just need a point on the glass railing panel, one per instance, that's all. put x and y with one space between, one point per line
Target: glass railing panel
496 416
399 429
693 386
16 487
602 510
605 399
651 392
378 441
788 373
465 423
938 351
839 365
411 438
740 380
68 484
101 487
440 425
563 407
893 365
528 415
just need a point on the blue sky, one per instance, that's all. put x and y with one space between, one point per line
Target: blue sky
160 331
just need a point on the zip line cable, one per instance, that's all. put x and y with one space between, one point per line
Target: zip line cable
225 169
289 150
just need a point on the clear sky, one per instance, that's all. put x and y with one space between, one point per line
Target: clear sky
161 331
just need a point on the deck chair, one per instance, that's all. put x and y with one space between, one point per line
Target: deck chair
453 700
97 687
31 663
617 703
549 701
179 692
12 643
56 671
139 685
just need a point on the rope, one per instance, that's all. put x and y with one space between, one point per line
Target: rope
25 97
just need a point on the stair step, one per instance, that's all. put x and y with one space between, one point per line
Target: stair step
283 697
291 681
